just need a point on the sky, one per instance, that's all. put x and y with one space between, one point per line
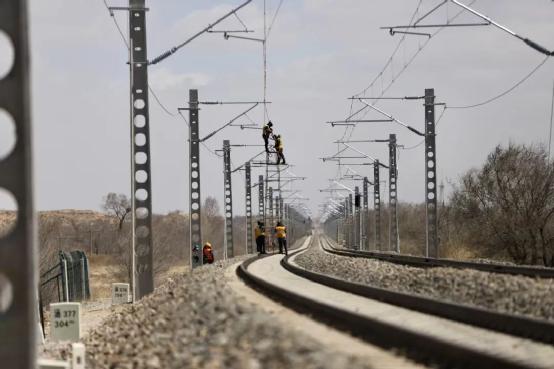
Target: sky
320 52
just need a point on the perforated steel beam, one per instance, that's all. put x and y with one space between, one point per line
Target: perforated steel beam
377 204
365 212
228 199
394 242
141 195
248 202
269 226
18 289
432 249
357 220
195 219
351 230
261 202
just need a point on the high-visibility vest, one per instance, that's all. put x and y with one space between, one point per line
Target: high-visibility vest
259 232
279 144
281 231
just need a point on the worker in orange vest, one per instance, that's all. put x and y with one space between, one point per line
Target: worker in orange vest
207 253
281 234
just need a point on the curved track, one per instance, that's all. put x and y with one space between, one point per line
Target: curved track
423 262
417 344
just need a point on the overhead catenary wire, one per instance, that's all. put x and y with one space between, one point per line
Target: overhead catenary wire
412 58
519 83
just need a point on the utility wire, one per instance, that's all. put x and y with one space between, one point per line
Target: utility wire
412 58
436 125
274 17
535 69
124 39
211 151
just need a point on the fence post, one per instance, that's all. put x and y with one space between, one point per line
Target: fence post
65 282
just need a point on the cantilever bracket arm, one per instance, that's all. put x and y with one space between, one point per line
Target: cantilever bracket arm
393 31
527 41
394 119
174 49
228 123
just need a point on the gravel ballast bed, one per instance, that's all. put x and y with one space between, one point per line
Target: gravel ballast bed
195 320
499 292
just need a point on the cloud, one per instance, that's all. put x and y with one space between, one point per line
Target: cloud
164 79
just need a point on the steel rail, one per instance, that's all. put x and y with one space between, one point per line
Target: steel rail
418 346
425 262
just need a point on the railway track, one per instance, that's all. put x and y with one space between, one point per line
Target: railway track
533 335
423 262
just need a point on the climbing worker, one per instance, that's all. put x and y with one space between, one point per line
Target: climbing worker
207 253
267 131
281 233
279 149
260 237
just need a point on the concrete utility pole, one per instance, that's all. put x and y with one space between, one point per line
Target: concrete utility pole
229 251
248 202
377 204
394 242
432 249
18 302
141 191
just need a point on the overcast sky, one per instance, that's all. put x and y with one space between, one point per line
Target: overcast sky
320 53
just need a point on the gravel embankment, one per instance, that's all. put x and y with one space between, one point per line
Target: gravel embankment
196 321
494 291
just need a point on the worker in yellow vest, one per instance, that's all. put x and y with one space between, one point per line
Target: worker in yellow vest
279 149
260 237
281 234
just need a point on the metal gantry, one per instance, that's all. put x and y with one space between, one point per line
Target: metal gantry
377 204
432 243
229 251
394 242
141 188
248 202
18 294
195 220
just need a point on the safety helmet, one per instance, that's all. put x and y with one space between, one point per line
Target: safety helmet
207 244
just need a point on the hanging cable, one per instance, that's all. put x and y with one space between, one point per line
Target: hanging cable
274 17
535 69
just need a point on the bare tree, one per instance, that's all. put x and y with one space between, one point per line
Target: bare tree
117 205
508 205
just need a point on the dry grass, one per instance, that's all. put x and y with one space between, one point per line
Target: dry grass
102 273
